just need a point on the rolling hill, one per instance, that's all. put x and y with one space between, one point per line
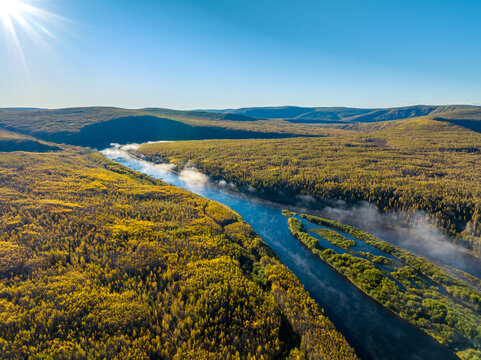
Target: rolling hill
466 117
10 141
351 115
99 126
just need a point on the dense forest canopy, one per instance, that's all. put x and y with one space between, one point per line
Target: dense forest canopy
408 165
97 261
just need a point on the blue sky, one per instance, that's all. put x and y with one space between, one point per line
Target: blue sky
187 54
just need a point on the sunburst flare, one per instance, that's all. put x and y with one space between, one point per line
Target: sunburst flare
25 25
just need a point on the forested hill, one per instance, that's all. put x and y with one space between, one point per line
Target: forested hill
401 165
98 261
99 126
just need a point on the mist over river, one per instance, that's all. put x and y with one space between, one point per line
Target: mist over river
373 331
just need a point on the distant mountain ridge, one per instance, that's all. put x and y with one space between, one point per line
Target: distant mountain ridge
98 126
349 115
22 108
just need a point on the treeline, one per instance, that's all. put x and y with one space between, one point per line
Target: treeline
414 288
410 165
98 261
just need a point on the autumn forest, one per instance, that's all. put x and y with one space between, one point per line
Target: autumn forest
101 261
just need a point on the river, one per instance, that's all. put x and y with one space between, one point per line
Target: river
374 332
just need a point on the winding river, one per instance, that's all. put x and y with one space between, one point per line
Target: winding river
373 331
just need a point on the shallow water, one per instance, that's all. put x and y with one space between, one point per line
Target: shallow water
373 331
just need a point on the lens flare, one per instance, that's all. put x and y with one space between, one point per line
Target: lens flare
26 27
14 11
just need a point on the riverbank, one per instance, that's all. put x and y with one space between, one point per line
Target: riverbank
361 320
413 288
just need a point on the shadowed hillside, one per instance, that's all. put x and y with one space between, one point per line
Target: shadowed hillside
147 128
10 141
469 117
74 119
98 126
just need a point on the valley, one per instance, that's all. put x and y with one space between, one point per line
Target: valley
357 317
96 243
240 180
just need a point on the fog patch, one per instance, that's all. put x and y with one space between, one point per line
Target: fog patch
226 185
119 152
192 176
128 147
306 200
431 238
156 170
115 152
414 231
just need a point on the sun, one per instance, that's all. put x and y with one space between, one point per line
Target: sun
26 31
15 12
21 15
11 8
